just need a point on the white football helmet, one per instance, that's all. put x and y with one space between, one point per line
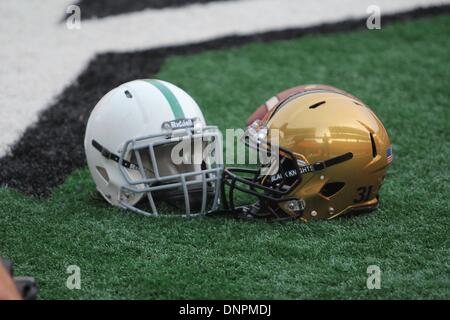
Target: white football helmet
149 138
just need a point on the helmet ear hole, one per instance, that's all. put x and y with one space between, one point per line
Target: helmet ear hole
103 173
331 188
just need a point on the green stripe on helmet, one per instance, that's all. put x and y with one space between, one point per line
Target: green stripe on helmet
170 97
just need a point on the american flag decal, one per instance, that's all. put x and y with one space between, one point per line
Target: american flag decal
389 154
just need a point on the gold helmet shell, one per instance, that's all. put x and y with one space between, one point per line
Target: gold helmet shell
340 146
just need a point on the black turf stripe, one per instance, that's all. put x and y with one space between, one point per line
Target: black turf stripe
105 8
53 147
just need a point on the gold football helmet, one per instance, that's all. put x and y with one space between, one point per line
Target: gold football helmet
333 154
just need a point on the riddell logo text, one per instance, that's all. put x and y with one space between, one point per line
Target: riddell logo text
180 124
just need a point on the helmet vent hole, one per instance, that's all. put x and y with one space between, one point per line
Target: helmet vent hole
103 173
359 104
374 147
128 94
331 188
315 105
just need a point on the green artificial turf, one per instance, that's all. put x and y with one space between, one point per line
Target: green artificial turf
401 71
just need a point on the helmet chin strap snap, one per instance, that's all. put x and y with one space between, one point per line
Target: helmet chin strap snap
261 209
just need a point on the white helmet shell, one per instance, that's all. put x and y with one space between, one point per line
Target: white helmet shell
129 139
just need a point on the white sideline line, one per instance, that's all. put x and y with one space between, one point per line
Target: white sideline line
40 56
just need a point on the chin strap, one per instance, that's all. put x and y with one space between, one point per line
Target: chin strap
114 157
321 165
263 210
318 166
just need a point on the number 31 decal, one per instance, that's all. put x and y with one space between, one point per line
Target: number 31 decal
363 194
